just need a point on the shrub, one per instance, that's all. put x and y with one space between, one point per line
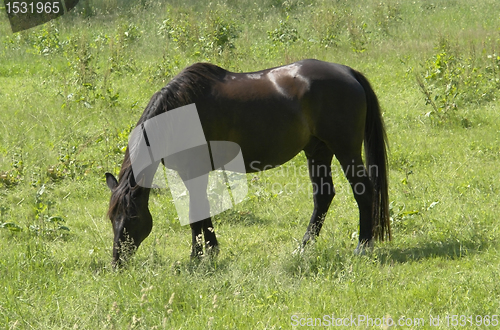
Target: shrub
284 33
453 78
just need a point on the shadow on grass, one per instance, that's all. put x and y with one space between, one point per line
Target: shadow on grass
204 267
317 260
451 249
244 218
339 262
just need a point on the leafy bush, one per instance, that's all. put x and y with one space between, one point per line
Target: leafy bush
45 223
387 15
329 26
220 33
453 78
42 40
284 33
339 24
358 36
179 28
213 35
15 174
46 40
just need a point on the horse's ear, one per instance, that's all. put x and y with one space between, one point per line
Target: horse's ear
111 181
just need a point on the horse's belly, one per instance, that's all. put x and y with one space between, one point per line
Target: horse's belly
264 150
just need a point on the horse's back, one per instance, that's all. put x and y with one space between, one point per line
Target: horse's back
274 113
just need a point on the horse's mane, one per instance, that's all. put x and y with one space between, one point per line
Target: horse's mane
191 84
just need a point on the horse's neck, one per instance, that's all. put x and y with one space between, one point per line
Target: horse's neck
139 191
144 183
142 199
144 193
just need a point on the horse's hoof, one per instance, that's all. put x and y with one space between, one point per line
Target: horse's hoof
196 258
212 251
197 255
364 248
298 251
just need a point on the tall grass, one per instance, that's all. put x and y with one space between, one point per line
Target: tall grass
72 89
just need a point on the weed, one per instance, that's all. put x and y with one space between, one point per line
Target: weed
4 223
220 33
46 224
45 40
125 36
387 15
454 78
402 219
89 82
214 35
15 174
165 68
358 36
284 33
329 26
179 28
82 61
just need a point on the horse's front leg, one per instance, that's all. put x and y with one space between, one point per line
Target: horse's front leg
211 244
199 214
319 164
197 246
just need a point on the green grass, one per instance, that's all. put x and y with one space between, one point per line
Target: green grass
72 89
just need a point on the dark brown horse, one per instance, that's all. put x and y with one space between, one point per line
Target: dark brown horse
322 108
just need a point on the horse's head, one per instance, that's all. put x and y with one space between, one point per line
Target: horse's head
130 216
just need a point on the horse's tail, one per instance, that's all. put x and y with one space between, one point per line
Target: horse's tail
376 161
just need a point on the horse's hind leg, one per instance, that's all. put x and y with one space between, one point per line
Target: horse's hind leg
362 189
319 159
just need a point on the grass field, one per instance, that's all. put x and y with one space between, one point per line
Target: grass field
71 91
